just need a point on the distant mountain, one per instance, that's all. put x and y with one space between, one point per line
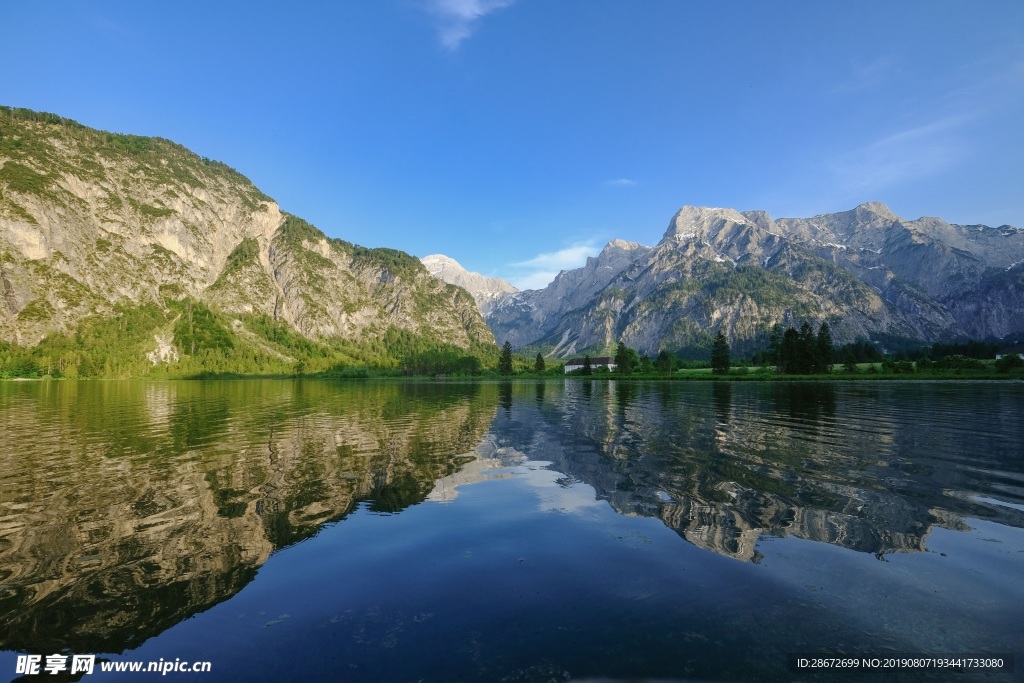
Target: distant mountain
974 274
534 315
867 272
486 291
119 253
94 224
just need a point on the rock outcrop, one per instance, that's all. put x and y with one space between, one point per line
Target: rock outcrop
867 272
90 221
486 291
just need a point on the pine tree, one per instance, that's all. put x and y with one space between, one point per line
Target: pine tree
588 368
789 352
538 365
624 359
664 362
646 366
720 355
775 346
505 361
825 349
808 350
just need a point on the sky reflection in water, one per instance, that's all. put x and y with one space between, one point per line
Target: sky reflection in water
525 531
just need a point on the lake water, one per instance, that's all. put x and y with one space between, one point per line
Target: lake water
308 530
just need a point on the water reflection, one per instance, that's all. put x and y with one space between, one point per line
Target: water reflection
723 401
625 392
818 461
808 402
127 507
505 396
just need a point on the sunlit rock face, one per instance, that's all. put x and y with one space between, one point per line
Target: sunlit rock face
486 291
868 272
533 315
90 221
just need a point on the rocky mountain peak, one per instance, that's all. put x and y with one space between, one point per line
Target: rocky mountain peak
696 222
865 270
93 224
876 209
486 291
616 254
623 245
437 263
761 219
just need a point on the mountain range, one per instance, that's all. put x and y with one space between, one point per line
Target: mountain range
96 226
486 291
867 272
121 253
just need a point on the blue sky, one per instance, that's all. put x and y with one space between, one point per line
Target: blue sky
519 136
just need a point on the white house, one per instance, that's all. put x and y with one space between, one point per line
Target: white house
598 361
1016 350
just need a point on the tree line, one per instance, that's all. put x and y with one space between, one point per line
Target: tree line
802 352
791 351
206 343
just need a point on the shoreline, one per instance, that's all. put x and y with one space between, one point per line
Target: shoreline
692 376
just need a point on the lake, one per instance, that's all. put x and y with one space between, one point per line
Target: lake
525 531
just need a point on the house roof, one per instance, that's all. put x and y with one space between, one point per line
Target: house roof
596 360
1016 348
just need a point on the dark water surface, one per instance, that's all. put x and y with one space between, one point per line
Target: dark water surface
510 532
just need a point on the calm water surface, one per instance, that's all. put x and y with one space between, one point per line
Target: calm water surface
304 530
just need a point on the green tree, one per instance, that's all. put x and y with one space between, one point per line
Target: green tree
663 362
775 346
849 363
789 352
626 360
505 360
538 365
588 368
720 354
807 350
646 366
825 349
1010 362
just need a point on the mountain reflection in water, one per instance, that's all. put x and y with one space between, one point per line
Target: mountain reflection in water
724 464
127 507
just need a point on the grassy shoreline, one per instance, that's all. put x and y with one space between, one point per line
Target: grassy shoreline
687 375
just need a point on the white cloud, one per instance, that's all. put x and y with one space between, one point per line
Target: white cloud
908 155
458 19
621 182
570 257
536 280
539 271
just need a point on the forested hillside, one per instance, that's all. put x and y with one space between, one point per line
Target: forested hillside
123 255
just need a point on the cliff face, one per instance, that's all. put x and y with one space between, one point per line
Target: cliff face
486 291
93 221
90 220
971 275
866 271
549 313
